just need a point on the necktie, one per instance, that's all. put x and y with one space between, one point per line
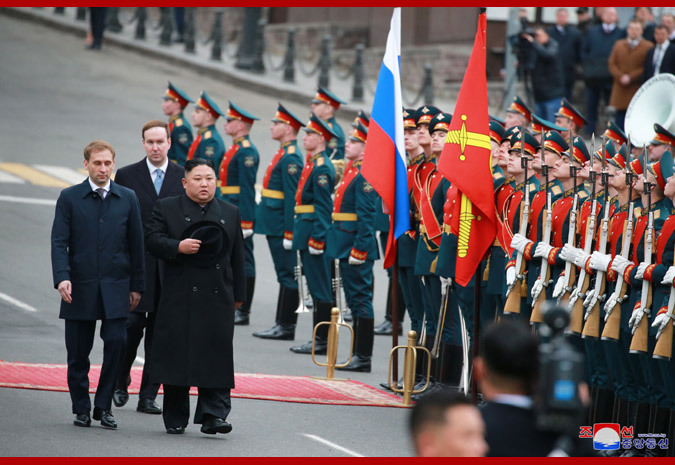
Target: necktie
159 177
101 192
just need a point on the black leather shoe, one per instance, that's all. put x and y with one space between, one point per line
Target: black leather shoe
240 318
120 398
82 419
278 332
386 328
215 425
176 430
148 406
306 348
359 363
106 418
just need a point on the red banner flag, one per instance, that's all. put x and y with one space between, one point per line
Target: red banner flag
465 162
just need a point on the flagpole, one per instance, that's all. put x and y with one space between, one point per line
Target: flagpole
476 332
394 315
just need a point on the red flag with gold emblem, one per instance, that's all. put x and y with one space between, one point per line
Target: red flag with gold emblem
465 162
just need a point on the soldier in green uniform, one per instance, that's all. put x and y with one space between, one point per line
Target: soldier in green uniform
274 219
208 144
313 218
517 115
180 132
236 184
324 105
432 194
351 240
569 118
423 117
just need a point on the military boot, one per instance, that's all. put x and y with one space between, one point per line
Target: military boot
241 315
363 346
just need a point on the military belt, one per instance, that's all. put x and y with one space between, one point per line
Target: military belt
230 189
304 209
345 217
496 243
270 194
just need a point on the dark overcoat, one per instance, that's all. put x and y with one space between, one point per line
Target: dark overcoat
98 246
194 325
137 178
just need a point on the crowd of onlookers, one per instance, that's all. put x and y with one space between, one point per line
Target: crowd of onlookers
612 62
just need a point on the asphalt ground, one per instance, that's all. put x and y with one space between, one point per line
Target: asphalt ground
55 98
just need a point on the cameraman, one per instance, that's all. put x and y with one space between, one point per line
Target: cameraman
547 75
507 373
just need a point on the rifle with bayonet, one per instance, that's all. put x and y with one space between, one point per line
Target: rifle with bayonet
620 294
637 320
592 315
539 293
569 274
514 293
576 302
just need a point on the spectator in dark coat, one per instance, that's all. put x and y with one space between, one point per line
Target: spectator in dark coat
595 50
646 17
583 20
569 44
661 58
547 79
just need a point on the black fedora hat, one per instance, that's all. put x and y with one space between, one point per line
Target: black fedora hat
214 243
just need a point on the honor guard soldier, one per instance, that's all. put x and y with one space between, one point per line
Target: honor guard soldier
208 144
423 117
275 216
524 145
324 105
352 241
430 194
639 271
575 157
175 101
518 114
569 118
663 140
361 118
313 218
543 162
541 126
615 134
236 184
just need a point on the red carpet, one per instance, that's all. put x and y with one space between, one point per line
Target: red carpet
304 389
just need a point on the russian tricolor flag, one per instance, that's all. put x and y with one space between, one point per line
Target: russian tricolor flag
384 163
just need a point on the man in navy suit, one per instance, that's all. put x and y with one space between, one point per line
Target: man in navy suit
660 58
151 178
98 269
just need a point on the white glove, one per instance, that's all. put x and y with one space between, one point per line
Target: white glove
661 321
510 276
559 287
445 284
537 287
247 233
590 294
519 242
569 253
355 261
581 258
313 251
600 261
635 319
640 272
669 276
542 250
620 264
288 244
609 306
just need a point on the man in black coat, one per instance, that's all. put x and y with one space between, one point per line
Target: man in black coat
151 178
569 41
98 269
661 57
200 241
507 375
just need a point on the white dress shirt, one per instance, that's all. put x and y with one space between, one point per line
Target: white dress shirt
94 187
153 169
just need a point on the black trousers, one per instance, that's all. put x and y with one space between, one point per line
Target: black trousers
211 401
97 23
136 323
79 341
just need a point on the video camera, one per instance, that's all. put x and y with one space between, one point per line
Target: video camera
561 369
